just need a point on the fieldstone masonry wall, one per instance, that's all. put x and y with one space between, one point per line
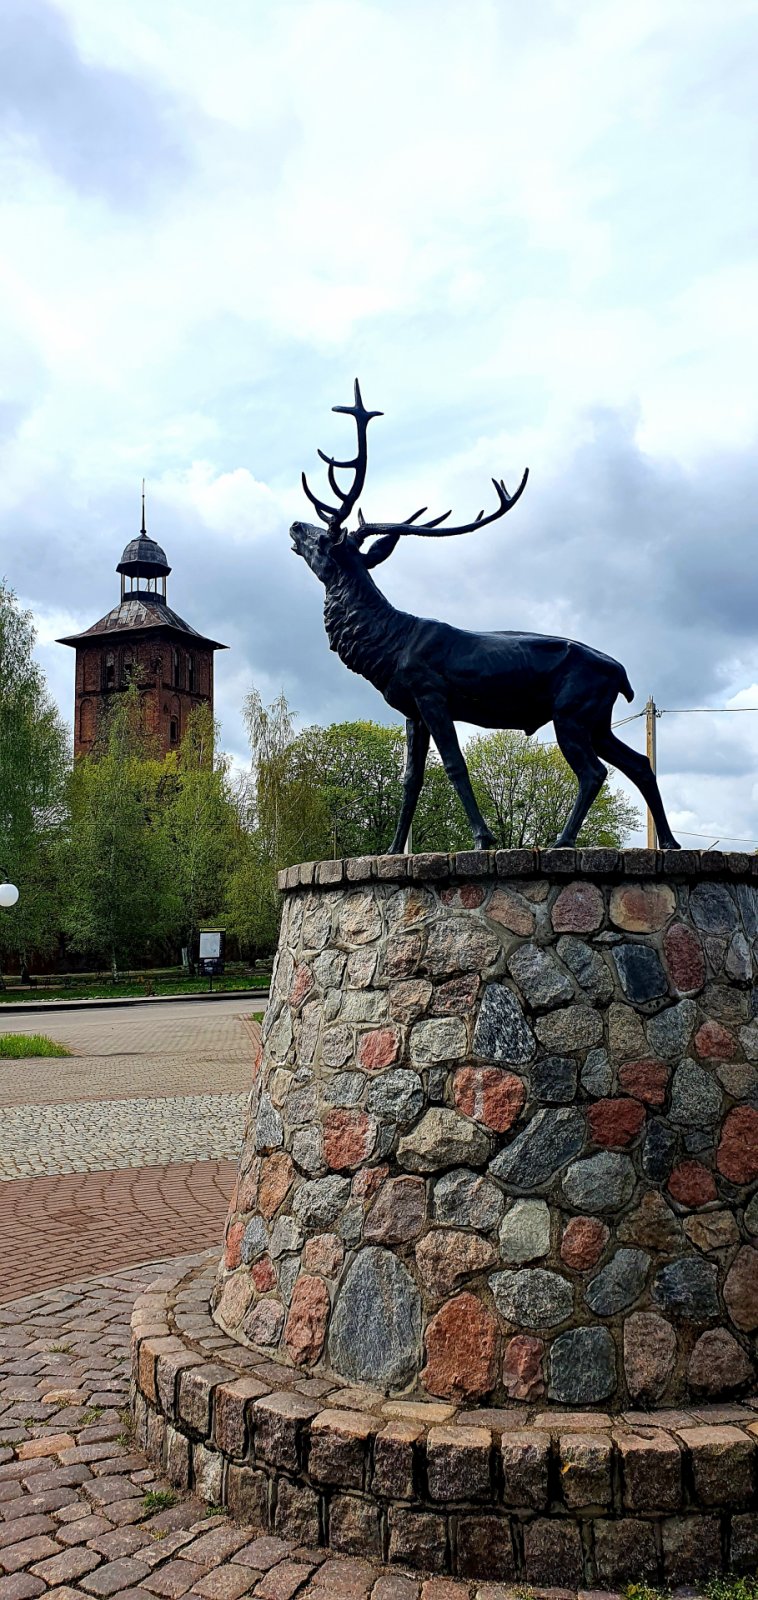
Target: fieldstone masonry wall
502 1145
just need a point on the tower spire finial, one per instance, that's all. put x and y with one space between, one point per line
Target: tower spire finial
143 529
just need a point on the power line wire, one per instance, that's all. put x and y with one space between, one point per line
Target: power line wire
691 711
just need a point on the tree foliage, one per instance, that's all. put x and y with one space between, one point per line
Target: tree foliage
34 755
337 791
526 791
117 873
199 828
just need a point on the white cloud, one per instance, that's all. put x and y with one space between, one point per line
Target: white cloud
529 230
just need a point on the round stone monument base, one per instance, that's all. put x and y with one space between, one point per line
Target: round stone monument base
502 1144
539 1495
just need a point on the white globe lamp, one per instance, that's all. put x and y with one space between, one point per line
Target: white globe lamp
8 894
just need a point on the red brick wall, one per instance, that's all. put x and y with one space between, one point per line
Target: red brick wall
102 670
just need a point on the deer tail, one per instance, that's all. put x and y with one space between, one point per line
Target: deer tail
625 686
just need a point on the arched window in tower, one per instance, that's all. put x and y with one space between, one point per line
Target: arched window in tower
86 722
177 669
110 670
173 730
127 666
191 674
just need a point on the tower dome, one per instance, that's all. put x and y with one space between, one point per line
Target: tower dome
143 563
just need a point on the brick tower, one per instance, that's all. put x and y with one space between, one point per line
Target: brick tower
141 638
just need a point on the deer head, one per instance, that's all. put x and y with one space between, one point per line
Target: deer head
326 549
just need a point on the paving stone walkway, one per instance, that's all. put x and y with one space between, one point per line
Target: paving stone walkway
57 1229
126 1149
93 1137
82 1512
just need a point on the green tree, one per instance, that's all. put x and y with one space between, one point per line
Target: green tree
283 819
526 791
118 901
199 827
34 759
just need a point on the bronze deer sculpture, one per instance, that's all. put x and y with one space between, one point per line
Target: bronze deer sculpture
436 675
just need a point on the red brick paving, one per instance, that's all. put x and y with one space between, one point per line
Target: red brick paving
56 1229
81 1540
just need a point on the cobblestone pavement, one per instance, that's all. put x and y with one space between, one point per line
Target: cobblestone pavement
56 1229
61 1080
83 1514
38 1140
108 1157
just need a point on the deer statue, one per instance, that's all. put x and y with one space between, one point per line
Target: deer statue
436 675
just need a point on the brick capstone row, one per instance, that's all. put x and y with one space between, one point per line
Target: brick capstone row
549 1497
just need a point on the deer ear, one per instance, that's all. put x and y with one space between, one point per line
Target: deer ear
381 549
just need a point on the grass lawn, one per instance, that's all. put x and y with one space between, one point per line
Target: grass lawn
14 1046
133 988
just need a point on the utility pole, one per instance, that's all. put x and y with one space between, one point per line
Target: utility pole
651 712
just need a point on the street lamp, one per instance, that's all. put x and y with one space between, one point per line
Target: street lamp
8 893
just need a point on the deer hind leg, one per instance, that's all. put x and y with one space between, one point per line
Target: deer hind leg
576 745
417 749
442 729
637 768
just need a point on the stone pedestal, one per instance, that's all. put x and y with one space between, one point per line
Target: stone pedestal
501 1160
504 1130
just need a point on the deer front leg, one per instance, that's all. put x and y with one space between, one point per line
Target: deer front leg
442 729
417 749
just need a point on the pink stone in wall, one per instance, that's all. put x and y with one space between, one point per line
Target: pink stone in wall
684 959
691 1184
642 908
379 1049
235 1298
366 1183
718 1363
263 1275
263 1325
614 1123
349 1138
522 1368
645 1080
324 1254
741 1290
511 912
472 895
584 1240
489 1095
461 1351
302 984
277 1172
715 1042
447 1256
398 1213
233 1246
649 1352
578 909
307 1321
247 1187
457 997
737 1154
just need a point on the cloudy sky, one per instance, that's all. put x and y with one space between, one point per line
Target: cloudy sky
530 229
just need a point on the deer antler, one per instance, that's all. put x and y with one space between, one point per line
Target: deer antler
432 529
336 516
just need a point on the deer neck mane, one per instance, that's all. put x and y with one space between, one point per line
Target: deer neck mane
362 627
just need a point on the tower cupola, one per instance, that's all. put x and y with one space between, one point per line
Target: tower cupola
143 565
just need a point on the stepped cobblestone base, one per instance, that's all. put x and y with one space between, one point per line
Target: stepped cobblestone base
527 1494
501 1153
